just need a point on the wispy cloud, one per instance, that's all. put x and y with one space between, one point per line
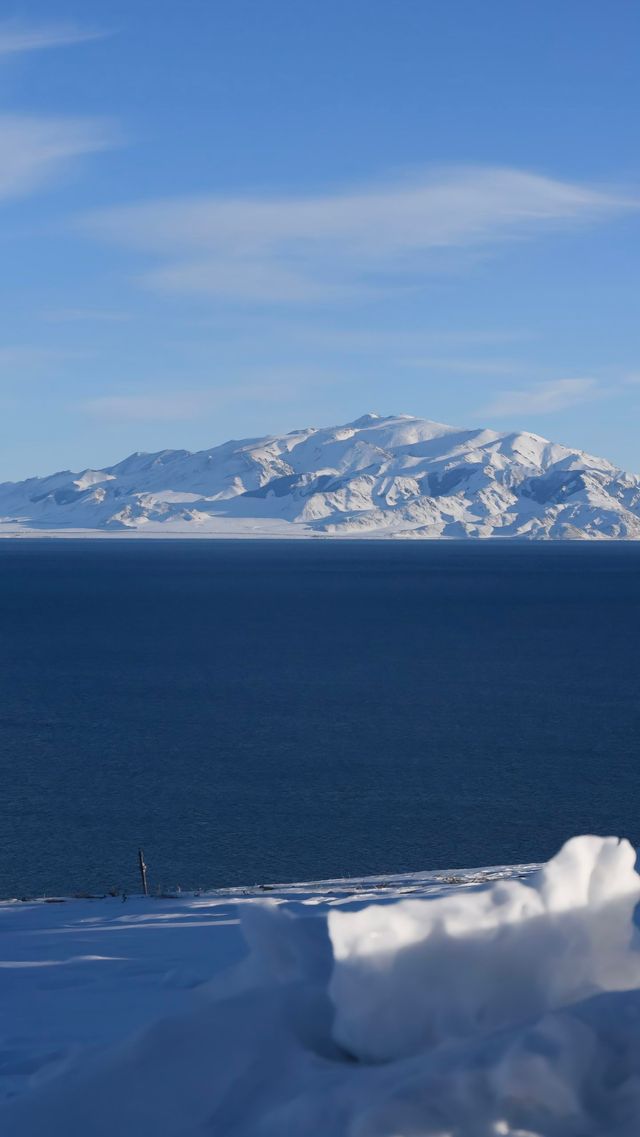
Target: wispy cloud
35 150
542 398
463 366
18 357
27 368
17 37
85 315
161 406
157 407
338 246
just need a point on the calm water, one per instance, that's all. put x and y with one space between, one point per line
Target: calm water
259 711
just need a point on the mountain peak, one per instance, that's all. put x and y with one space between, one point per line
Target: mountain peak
393 476
366 419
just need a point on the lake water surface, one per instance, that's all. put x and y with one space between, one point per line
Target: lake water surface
254 711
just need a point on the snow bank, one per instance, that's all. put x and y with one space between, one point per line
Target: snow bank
474 962
510 1008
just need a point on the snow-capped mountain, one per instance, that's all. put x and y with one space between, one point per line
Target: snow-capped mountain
375 477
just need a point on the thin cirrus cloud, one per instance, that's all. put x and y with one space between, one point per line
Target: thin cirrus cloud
304 249
462 365
85 316
24 357
170 406
16 37
35 149
542 398
142 408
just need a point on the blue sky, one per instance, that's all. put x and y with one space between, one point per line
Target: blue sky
222 218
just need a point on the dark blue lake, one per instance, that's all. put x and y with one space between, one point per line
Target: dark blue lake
251 711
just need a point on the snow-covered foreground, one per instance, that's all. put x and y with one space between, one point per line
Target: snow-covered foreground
503 1002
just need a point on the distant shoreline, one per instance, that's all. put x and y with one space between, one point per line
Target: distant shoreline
388 538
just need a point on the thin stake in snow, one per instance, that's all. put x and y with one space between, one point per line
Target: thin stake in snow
143 872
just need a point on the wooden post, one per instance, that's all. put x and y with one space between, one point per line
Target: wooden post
143 872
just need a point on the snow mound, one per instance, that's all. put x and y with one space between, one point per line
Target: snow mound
510 1008
474 962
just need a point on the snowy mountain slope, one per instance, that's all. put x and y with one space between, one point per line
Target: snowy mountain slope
374 477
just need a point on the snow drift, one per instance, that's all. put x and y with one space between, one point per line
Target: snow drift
374 477
472 963
510 1008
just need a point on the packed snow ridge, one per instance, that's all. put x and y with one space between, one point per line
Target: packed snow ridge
505 1006
375 477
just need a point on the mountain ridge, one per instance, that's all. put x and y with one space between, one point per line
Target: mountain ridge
395 476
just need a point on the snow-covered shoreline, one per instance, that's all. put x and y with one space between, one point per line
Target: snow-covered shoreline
292 533
502 1001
